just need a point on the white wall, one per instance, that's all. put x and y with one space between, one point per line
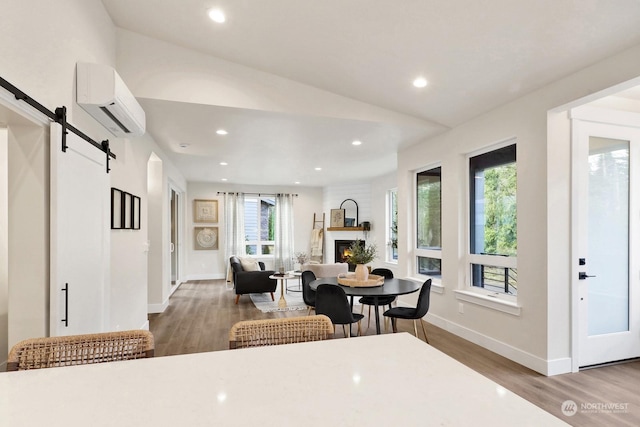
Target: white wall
4 245
539 336
132 251
211 264
41 43
28 238
379 231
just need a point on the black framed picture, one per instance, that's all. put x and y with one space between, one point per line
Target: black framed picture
117 209
125 210
135 213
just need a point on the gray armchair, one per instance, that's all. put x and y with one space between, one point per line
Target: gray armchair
251 282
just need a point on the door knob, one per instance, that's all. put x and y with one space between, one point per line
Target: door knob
582 275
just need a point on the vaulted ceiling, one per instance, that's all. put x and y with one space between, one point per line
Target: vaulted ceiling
475 55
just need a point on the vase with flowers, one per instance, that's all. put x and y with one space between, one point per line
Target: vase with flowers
300 258
360 254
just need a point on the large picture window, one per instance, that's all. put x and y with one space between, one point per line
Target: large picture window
259 225
493 220
392 225
428 251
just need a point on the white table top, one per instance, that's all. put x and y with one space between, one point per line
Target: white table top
384 380
283 277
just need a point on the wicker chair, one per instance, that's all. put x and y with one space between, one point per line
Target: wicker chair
288 330
36 353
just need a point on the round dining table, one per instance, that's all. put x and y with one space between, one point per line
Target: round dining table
390 287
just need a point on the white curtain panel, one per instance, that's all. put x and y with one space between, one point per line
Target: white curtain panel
234 228
283 245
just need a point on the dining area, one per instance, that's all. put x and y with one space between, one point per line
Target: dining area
336 296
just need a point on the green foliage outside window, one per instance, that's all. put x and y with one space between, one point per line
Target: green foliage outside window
429 224
272 223
500 229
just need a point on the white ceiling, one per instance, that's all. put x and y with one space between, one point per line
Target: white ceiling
476 56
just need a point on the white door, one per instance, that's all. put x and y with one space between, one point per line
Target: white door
80 225
173 246
607 268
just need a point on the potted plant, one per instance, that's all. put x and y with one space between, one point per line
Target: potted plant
361 254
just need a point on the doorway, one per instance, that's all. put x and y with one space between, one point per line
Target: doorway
606 175
174 215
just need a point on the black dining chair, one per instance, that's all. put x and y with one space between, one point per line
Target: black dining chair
308 294
382 301
411 313
332 302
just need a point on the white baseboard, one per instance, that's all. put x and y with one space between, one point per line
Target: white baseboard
157 308
545 367
558 366
208 276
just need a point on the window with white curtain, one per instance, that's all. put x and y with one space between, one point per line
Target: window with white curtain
259 225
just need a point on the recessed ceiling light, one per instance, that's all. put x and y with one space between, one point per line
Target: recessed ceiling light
318 169
297 182
420 82
217 15
223 163
224 179
183 145
221 132
356 142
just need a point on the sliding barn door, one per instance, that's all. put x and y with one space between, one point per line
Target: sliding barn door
80 225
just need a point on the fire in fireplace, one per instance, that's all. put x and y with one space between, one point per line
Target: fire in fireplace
342 251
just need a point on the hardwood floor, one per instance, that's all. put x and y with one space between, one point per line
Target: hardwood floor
201 313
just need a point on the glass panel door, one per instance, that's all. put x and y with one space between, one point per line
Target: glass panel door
608 238
607 275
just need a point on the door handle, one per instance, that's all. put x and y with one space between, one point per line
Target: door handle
582 275
66 305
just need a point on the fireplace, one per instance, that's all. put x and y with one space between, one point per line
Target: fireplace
341 251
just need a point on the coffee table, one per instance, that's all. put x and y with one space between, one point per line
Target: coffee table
297 274
282 302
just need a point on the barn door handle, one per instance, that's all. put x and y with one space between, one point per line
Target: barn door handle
582 275
66 304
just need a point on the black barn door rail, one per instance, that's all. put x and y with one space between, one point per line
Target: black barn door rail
59 116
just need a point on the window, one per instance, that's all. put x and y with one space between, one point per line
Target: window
259 225
392 225
493 220
428 252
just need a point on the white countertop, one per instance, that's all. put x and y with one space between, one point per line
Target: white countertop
384 380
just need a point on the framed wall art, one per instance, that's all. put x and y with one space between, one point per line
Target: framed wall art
125 210
135 213
337 218
205 210
205 238
117 209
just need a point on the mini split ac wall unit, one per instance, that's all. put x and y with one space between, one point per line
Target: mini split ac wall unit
101 92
